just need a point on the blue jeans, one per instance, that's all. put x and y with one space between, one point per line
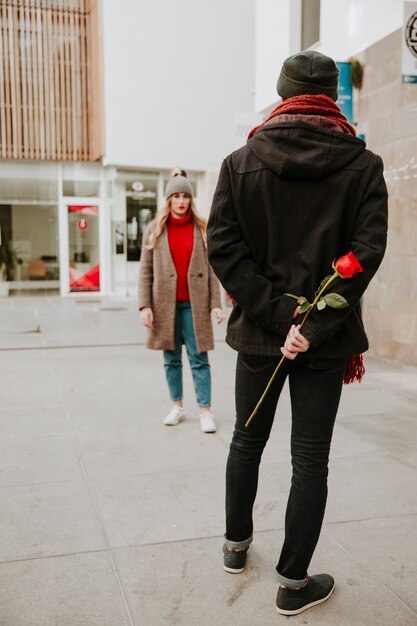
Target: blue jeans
315 389
199 363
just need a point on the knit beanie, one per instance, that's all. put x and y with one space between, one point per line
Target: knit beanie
178 183
308 72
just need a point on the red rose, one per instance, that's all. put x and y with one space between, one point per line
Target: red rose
348 265
345 267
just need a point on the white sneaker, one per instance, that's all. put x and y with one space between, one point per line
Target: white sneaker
207 423
175 416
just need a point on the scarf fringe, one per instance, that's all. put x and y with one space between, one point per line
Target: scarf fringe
355 369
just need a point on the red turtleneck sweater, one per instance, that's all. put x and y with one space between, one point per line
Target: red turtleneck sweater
181 242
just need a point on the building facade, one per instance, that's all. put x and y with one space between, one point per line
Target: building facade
99 100
50 134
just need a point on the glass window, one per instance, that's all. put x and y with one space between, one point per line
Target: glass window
140 190
28 182
81 180
84 262
29 222
32 234
81 188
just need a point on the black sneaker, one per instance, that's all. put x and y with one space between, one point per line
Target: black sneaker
293 601
234 562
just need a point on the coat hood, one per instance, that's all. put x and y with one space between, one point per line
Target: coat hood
299 149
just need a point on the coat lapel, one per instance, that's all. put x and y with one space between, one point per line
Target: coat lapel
166 252
195 260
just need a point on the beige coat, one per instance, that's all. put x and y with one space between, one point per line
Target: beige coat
158 290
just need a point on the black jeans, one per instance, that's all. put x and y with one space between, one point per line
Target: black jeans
315 389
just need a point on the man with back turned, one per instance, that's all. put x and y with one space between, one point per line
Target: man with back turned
301 193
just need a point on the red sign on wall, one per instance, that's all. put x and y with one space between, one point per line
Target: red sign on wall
82 224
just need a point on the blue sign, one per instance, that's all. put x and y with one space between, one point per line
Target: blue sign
345 91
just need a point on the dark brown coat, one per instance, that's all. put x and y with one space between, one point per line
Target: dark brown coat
158 290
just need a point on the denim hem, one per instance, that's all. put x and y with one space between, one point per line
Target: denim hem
290 582
238 544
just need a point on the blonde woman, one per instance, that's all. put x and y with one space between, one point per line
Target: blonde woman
177 293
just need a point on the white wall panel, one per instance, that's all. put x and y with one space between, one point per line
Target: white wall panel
175 74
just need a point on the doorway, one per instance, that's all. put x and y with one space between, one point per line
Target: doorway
83 248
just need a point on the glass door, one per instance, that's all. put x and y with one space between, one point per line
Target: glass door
83 247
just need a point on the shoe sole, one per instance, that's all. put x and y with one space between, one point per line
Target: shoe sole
307 606
180 419
213 430
233 571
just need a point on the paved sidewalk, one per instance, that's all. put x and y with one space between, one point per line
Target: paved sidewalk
108 518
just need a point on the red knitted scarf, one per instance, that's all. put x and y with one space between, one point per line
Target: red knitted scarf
310 105
325 107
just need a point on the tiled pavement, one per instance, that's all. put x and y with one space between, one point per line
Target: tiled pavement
109 518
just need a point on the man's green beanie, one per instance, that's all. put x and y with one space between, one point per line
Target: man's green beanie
308 72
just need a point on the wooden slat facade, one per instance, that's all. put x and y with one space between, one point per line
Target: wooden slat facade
50 80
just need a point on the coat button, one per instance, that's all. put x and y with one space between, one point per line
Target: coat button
171 275
200 275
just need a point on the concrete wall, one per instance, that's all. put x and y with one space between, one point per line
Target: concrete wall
175 75
386 110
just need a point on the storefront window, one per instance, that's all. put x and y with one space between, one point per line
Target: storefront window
29 224
140 192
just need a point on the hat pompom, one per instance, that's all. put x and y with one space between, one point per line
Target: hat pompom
177 171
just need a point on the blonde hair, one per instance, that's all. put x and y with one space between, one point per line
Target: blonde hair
161 219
